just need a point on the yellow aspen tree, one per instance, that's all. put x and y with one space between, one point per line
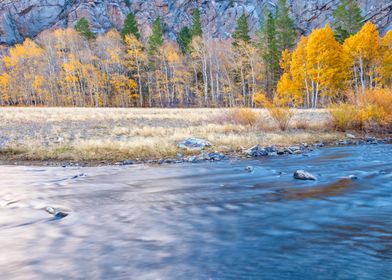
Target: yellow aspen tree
21 64
385 68
125 91
111 59
285 89
255 67
326 65
5 96
177 74
294 83
363 51
199 54
135 61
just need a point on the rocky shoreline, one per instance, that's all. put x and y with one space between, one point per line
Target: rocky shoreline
203 151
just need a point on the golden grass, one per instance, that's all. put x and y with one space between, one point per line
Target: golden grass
243 116
111 134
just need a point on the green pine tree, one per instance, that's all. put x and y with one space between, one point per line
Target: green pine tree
83 27
241 32
285 33
184 38
348 19
130 26
196 24
156 38
269 51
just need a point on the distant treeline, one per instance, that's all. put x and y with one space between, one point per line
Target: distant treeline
73 67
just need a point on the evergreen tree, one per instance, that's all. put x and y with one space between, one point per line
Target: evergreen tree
241 32
269 50
184 38
130 26
156 38
348 19
285 33
83 27
196 24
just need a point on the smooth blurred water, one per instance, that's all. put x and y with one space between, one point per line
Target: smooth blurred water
202 221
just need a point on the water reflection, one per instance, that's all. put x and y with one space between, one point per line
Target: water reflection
203 221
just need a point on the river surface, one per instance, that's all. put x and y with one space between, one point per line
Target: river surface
202 221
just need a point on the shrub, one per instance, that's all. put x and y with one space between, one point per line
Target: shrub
376 106
343 116
281 115
372 110
243 116
277 108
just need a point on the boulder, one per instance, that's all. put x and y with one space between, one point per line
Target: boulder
194 144
192 159
127 162
294 150
216 156
304 175
256 151
271 149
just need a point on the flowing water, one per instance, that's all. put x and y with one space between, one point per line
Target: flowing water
202 221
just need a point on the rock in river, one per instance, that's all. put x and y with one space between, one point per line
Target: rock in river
194 144
303 175
57 213
249 169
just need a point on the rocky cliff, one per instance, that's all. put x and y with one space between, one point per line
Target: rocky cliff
27 18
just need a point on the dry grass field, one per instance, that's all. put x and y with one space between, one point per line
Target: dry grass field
111 134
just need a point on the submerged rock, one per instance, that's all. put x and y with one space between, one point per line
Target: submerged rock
304 175
57 213
352 177
249 169
194 144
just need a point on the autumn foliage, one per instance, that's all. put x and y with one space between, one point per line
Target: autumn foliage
319 71
63 68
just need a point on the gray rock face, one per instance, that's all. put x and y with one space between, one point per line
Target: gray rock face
27 18
303 175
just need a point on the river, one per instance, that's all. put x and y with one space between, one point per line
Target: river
202 221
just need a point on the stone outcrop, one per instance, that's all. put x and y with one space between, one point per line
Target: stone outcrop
27 18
